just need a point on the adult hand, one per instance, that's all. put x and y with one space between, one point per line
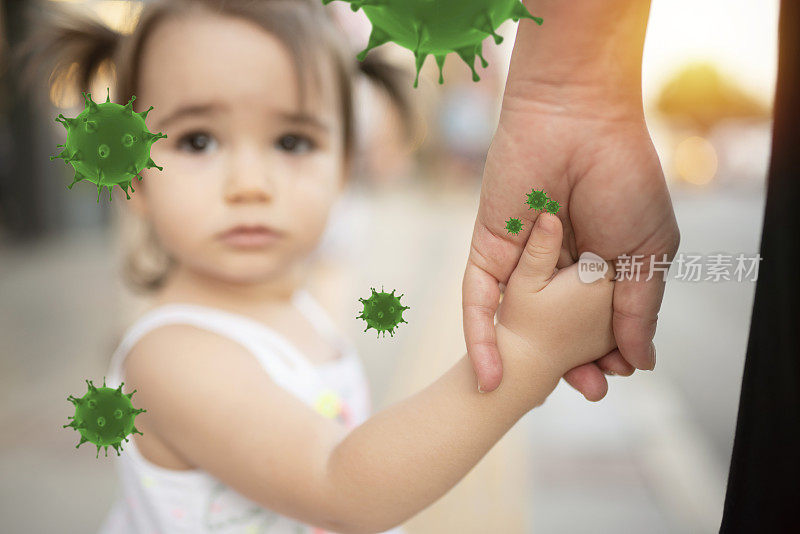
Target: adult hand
585 142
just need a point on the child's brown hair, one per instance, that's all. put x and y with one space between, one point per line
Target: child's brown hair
72 46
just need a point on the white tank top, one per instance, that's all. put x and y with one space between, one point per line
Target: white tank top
157 500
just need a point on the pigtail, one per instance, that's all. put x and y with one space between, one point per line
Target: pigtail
65 47
395 82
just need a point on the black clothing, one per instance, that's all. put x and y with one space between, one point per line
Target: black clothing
764 482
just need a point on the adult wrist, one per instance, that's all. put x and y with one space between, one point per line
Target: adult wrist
586 51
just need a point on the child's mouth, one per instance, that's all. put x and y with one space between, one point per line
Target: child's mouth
250 236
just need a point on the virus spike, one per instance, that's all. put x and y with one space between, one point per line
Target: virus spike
130 395
153 137
479 52
468 55
76 156
419 55
521 12
143 114
78 177
90 126
420 60
136 431
66 122
90 104
108 95
485 25
440 62
81 442
124 188
128 108
376 38
64 154
91 387
151 164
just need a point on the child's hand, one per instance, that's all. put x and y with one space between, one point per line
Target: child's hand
558 320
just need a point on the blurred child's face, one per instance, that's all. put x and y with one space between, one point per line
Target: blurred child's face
248 180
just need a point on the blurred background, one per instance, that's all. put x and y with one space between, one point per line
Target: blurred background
651 457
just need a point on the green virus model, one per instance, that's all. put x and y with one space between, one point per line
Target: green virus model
537 199
107 144
552 207
428 27
513 226
104 416
382 311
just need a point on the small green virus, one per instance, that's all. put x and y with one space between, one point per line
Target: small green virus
552 207
104 416
382 311
513 226
108 144
428 27
537 199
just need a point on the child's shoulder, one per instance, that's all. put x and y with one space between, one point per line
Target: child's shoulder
180 351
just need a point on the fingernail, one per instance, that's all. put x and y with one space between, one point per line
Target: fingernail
546 224
652 356
479 389
610 372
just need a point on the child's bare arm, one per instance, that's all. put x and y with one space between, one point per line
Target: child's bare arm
234 422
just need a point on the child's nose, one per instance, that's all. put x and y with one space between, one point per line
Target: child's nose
250 179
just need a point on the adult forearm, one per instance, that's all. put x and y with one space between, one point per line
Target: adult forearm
410 454
590 46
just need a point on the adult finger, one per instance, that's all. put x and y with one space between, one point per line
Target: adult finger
636 305
589 380
614 364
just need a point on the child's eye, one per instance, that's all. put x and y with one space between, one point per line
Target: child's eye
196 142
295 143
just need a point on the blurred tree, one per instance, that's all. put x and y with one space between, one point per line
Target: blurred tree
703 97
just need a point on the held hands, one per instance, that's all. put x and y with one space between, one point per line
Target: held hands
572 124
550 318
